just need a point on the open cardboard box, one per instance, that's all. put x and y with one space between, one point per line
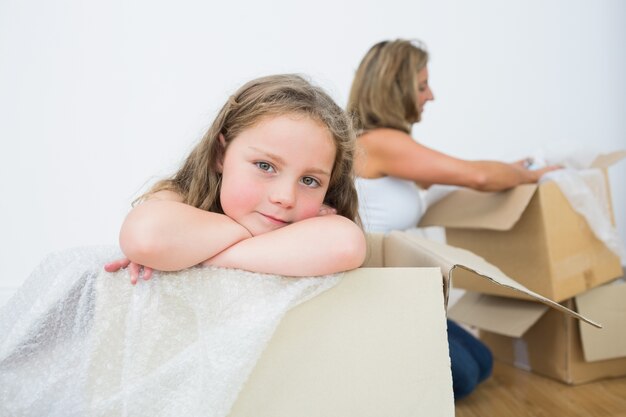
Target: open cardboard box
532 234
528 335
376 343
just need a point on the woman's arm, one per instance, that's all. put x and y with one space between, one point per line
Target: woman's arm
315 246
395 153
168 235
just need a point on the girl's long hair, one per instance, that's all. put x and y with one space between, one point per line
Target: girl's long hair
198 181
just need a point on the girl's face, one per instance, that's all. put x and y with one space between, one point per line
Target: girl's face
277 172
424 93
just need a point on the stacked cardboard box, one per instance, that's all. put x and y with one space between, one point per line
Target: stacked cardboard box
534 235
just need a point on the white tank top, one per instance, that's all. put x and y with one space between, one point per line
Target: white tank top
389 203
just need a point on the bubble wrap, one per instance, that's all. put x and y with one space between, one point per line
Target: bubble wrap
78 341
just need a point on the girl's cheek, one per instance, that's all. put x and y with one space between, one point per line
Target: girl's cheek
310 209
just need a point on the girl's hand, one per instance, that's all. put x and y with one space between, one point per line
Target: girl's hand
134 268
326 210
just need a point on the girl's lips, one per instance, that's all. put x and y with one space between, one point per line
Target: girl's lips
274 219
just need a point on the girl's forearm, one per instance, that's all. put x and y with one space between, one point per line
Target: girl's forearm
316 246
170 236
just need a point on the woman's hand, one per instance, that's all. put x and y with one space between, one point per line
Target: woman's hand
134 268
532 174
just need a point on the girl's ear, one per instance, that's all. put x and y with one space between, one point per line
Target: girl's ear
220 161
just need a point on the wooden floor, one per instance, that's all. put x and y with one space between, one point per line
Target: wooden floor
512 392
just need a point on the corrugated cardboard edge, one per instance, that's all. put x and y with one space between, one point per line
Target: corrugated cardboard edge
449 258
468 208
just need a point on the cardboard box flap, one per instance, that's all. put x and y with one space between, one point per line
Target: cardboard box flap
505 316
607 304
606 160
449 258
466 208
399 252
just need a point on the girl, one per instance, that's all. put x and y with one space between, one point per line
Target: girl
269 189
388 95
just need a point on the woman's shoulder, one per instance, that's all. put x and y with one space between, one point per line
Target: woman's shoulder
385 141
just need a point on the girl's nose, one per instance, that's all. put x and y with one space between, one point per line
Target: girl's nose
283 194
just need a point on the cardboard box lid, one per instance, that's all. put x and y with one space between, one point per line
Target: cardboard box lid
466 208
403 249
607 304
606 160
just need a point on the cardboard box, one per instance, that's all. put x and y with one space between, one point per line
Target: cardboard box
532 234
375 344
346 360
530 336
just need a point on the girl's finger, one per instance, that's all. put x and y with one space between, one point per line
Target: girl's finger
134 272
116 265
147 273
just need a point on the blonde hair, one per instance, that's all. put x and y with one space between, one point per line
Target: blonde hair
198 181
384 90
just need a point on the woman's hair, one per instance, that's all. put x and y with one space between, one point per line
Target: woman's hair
198 181
384 90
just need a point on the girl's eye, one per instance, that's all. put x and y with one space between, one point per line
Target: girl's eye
310 182
264 166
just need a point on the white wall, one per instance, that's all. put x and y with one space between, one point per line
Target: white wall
99 98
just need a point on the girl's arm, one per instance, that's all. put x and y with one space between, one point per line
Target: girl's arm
316 246
168 235
395 153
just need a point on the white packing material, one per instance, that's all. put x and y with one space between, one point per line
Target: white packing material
78 341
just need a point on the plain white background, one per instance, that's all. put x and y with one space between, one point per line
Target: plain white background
98 99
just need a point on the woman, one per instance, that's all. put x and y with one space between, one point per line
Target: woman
388 95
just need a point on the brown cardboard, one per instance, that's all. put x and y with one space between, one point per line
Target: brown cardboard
506 316
403 249
532 234
608 305
551 344
359 349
